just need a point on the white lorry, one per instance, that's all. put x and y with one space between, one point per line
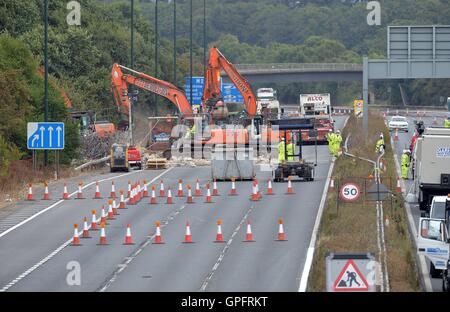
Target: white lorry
433 240
267 103
317 106
431 160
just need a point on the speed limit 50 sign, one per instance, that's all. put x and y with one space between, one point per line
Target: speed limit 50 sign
350 192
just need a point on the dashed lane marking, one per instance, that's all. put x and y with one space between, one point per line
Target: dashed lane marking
57 250
224 251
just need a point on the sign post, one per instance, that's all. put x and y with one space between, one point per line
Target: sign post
45 136
347 272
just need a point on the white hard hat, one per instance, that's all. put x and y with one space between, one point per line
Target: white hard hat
338 131
381 135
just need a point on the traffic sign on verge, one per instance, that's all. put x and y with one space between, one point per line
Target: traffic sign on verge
350 192
351 272
45 135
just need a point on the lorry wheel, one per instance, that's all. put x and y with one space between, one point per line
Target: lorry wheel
433 272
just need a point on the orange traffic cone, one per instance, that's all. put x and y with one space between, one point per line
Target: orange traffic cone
46 194
219 236
114 208
257 189
30 192
290 190
122 200
398 189
254 196
94 221
233 191
129 189
169 197
269 188
102 235
113 190
131 200
281 235
139 191
215 189
198 191
248 234
97 191
188 235
65 192
180 188
128 238
153 200
189 197
76 238
396 135
103 215
145 189
110 210
162 193
80 191
85 229
208 199
158 237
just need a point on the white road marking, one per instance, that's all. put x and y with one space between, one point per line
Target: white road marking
57 250
310 253
59 202
412 226
225 249
127 260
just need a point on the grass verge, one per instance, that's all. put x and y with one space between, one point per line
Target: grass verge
352 227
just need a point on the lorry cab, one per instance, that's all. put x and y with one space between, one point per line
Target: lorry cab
433 240
134 157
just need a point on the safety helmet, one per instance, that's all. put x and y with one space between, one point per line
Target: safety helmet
338 131
282 139
381 136
406 151
330 130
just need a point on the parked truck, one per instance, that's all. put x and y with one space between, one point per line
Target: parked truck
317 106
433 240
431 160
267 103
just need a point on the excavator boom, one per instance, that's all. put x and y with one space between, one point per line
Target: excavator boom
217 62
121 81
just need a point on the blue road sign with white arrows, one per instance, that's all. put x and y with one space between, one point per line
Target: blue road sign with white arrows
45 135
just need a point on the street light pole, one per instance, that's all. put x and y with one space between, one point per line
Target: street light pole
130 89
156 50
190 53
175 42
46 72
204 36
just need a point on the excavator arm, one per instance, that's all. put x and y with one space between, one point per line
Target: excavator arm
120 83
217 62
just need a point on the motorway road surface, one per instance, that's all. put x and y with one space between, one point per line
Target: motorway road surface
403 143
35 255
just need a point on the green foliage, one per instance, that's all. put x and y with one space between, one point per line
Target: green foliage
8 154
22 97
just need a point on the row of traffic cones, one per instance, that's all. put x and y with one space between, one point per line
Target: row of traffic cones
136 191
158 236
79 194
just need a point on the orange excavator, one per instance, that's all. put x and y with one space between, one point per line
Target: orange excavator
212 99
121 81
